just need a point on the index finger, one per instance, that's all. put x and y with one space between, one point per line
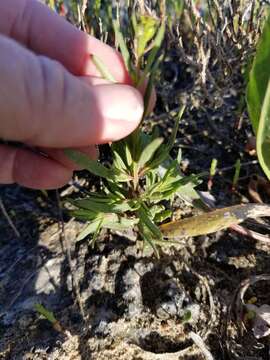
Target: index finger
43 31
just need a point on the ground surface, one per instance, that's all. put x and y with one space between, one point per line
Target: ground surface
115 303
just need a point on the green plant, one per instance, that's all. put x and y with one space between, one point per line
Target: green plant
139 185
236 174
142 180
258 98
213 170
49 316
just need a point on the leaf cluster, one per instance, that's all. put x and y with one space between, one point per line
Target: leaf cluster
142 179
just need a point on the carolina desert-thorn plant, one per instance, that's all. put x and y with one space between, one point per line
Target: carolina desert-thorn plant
139 185
142 179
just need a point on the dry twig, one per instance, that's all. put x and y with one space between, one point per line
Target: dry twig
11 224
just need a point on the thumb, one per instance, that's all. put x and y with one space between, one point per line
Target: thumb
42 104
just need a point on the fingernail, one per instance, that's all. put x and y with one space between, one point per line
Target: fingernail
121 102
122 109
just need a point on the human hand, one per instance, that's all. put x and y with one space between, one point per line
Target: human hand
52 96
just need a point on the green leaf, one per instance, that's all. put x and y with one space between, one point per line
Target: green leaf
156 46
134 21
156 209
149 152
114 190
147 239
175 128
145 219
150 178
97 6
187 317
113 207
259 77
149 91
122 149
164 190
164 151
179 156
128 155
164 215
46 313
83 214
121 223
188 194
102 68
263 134
122 44
90 229
118 162
96 233
146 29
213 167
91 165
258 98
122 177
95 167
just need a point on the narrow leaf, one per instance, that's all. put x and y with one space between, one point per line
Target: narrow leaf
83 214
156 209
263 134
144 218
259 77
46 313
175 128
164 215
149 152
156 46
128 155
92 205
164 151
91 165
122 44
146 29
102 68
213 167
89 229
95 236
147 239
121 224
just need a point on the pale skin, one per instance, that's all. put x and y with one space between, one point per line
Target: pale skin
52 96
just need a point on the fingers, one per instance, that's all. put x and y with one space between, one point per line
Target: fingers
46 33
31 170
153 96
36 171
42 104
59 155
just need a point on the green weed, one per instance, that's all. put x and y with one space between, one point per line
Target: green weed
142 180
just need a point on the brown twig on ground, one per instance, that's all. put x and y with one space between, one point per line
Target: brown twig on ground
201 345
250 233
10 222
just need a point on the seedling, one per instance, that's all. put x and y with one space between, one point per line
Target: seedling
142 180
236 174
213 170
49 316
139 185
